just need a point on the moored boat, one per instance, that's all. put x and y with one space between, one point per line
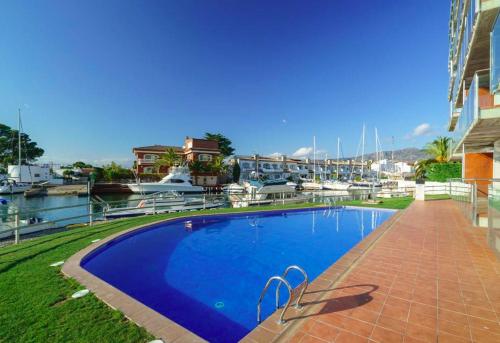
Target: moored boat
13 187
336 185
178 180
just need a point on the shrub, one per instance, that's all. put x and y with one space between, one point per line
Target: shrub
443 171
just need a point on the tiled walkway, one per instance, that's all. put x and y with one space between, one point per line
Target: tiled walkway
430 278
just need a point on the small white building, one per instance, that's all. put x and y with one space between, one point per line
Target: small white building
29 174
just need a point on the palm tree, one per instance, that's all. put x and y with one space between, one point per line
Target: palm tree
217 165
196 167
439 149
168 159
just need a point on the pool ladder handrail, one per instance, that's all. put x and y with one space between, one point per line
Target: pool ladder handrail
301 288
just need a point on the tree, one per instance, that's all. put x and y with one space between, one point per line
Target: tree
81 165
439 149
217 165
168 159
68 173
236 172
224 143
114 171
196 167
9 147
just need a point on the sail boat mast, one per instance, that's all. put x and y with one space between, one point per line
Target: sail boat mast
324 172
314 158
19 142
338 154
377 153
362 151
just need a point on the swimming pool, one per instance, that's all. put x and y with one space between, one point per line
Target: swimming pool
206 273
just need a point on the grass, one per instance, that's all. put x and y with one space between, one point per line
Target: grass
392 203
437 196
35 303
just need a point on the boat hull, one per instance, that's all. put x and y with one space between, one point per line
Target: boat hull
312 186
337 186
11 189
147 188
26 229
147 211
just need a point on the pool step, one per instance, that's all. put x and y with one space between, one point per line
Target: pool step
293 293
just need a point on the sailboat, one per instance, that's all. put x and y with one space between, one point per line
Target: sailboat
363 183
10 186
337 184
313 184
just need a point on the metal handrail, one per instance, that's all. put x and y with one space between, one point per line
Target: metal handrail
268 283
282 280
303 284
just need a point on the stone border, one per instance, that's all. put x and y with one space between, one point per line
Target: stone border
169 331
271 331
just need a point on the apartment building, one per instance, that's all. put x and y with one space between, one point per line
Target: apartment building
474 86
283 167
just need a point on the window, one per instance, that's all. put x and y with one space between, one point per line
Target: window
148 170
176 181
246 165
204 157
150 157
37 175
266 165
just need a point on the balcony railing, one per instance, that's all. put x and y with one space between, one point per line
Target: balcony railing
142 161
465 29
472 104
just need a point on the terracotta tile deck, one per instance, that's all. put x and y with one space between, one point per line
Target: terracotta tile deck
429 278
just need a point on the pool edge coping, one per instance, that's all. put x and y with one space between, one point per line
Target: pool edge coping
156 323
270 331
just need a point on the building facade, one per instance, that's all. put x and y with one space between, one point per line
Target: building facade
281 167
193 149
474 86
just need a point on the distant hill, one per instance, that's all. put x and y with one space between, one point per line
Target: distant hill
407 155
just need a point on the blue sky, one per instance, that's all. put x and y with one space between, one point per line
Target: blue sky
95 78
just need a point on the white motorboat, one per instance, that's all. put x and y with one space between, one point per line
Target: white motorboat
336 185
163 202
233 188
178 180
365 184
264 192
311 185
13 187
27 226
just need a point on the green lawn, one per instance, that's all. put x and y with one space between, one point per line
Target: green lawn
34 297
437 196
392 203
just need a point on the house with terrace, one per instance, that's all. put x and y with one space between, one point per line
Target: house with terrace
193 150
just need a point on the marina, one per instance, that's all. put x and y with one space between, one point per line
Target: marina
250 171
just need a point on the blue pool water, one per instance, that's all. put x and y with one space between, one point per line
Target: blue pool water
206 273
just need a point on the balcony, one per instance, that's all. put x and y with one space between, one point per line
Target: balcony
467 15
478 122
146 161
470 52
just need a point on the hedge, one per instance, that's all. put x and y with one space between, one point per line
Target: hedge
443 171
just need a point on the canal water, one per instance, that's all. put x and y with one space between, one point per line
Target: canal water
34 207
